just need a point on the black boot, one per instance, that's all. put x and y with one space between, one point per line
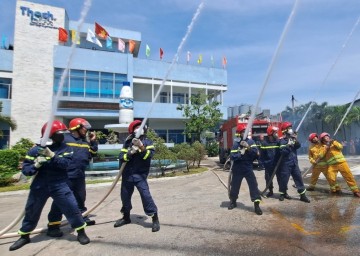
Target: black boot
304 198
286 196
123 221
88 221
24 239
270 193
54 231
232 204
82 237
258 211
155 223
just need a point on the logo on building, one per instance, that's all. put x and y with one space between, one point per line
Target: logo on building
40 19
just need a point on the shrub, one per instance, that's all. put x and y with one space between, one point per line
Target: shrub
9 158
212 148
23 146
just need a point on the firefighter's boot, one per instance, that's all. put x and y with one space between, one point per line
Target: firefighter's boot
123 221
270 193
54 231
155 223
82 237
88 221
232 204
24 239
304 198
258 211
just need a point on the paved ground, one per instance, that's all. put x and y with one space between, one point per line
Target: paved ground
195 221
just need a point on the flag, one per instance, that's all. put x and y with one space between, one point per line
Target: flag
132 45
147 51
224 62
109 42
75 37
3 42
161 53
188 56
212 61
199 61
121 45
100 31
92 38
63 35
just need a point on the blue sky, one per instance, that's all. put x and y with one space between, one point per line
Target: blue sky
313 63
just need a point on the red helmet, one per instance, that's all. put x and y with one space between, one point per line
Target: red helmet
77 123
312 136
133 125
57 127
271 129
323 135
240 128
285 125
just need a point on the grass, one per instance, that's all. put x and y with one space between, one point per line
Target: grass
26 186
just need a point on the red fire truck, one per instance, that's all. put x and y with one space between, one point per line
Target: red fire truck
227 130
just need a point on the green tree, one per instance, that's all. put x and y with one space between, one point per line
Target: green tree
22 147
185 152
6 120
200 152
163 156
202 114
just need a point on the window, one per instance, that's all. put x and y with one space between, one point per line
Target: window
77 83
179 98
92 84
57 78
176 136
106 85
5 88
164 97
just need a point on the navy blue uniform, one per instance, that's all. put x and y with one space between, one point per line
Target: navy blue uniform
50 181
243 168
268 157
83 151
135 174
289 165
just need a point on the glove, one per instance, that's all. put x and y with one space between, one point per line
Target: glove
39 161
137 142
244 144
133 150
242 151
46 152
291 142
92 136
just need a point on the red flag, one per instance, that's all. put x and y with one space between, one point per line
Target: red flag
161 53
63 35
132 45
100 31
224 62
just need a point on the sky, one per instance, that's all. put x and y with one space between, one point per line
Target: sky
319 59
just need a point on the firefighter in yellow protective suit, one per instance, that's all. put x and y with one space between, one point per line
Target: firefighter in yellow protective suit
337 163
316 157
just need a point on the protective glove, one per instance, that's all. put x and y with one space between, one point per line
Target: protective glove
38 162
46 152
244 144
133 150
137 142
242 151
291 143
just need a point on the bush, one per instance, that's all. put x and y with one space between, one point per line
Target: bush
9 158
23 146
6 173
212 148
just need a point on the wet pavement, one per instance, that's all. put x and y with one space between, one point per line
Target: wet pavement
195 221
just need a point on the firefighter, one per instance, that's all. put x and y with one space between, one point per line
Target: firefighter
288 146
268 149
337 163
243 154
136 154
84 146
49 164
316 157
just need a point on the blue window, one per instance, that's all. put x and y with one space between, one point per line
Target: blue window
107 85
176 136
92 84
119 79
5 87
57 78
77 83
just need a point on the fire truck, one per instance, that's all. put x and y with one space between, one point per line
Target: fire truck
227 130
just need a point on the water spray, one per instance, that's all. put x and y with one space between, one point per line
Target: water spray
271 66
330 70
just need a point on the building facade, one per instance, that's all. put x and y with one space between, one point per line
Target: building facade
90 78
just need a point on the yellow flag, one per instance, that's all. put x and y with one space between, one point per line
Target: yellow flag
199 61
75 37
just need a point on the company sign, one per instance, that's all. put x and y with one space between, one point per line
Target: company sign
39 19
